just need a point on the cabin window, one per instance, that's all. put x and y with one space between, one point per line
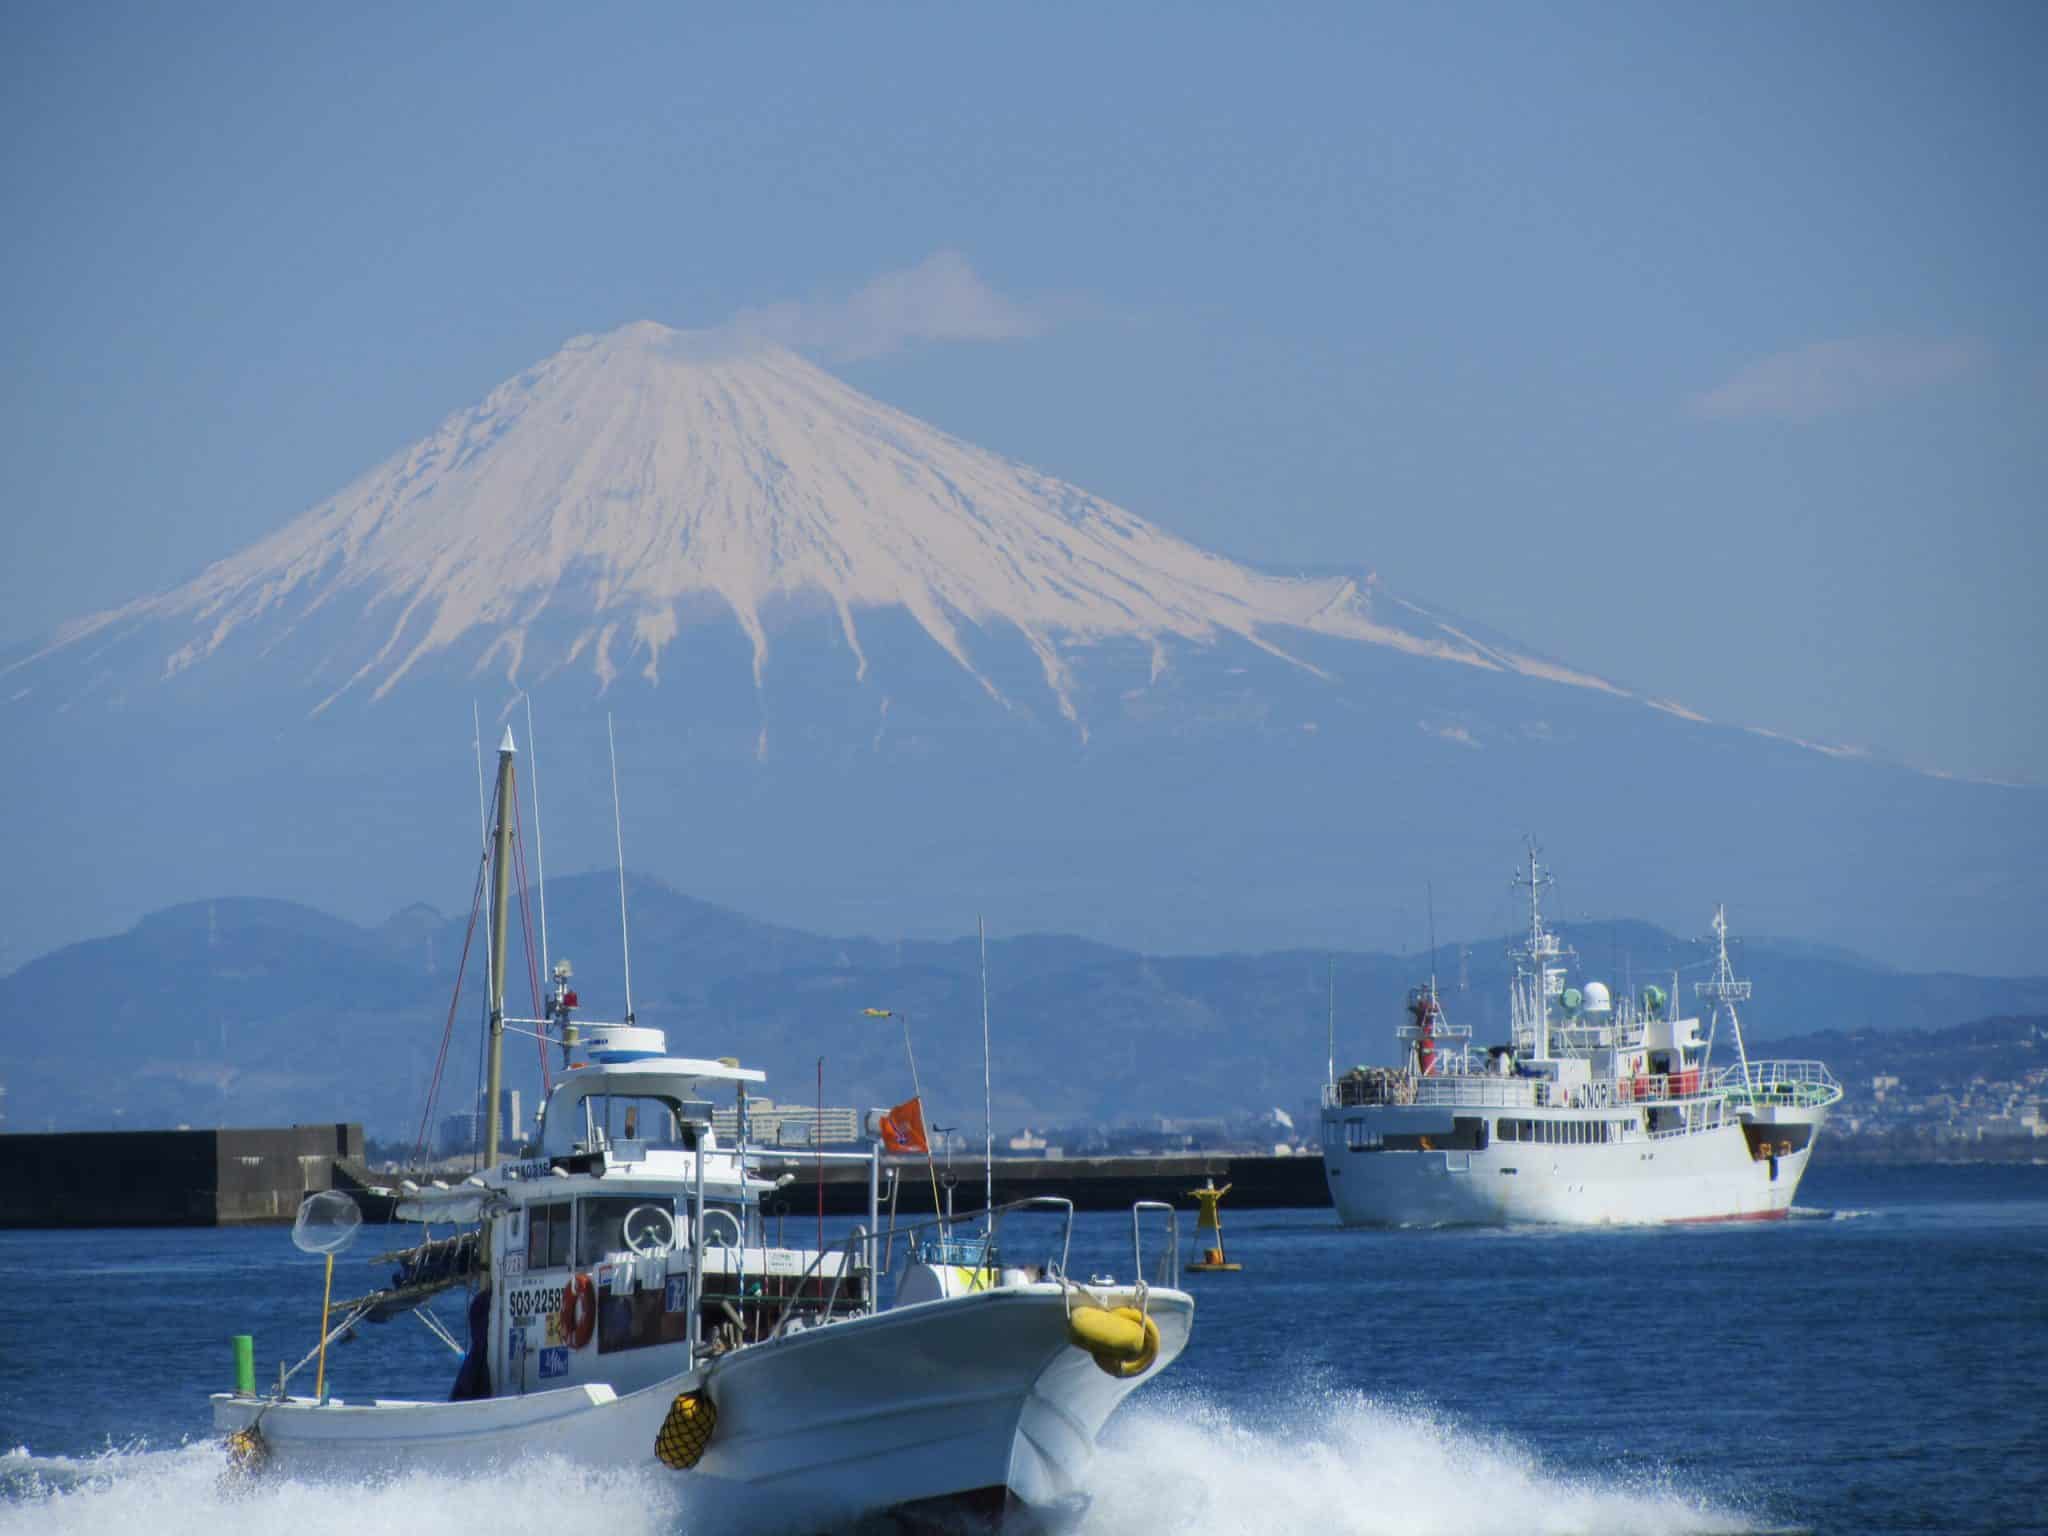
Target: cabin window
651 1121
547 1236
1359 1138
604 1216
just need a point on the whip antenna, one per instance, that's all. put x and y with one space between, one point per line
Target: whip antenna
483 806
1333 1020
619 839
539 854
988 1120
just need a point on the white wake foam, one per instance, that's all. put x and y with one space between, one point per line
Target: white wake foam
1334 1463
142 1492
1340 1464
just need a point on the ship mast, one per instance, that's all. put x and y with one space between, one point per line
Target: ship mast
501 889
1542 948
1724 991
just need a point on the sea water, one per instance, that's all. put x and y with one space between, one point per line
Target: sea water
1878 1363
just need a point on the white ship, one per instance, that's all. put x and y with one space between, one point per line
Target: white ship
630 1308
1598 1110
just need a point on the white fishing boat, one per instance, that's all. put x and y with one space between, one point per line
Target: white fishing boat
1599 1109
629 1309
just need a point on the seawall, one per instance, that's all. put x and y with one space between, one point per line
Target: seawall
168 1178
1258 1182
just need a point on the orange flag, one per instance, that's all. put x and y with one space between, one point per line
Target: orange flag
903 1128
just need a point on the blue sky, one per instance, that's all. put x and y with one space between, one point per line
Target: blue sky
1699 346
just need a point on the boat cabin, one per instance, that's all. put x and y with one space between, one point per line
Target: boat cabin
630 1242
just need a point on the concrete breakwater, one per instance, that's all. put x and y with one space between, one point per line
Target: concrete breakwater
171 1178
1258 1181
228 1177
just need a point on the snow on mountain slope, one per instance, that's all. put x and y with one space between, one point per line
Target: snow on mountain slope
641 481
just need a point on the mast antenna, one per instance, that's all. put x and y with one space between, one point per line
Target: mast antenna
539 853
1429 891
483 806
1724 991
1333 1021
988 1118
619 840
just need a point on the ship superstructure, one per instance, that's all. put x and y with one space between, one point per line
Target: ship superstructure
1598 1109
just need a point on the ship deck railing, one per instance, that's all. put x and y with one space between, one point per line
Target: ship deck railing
935 1241
1390 1087
1795 1084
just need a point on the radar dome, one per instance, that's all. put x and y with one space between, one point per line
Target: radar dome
1597 998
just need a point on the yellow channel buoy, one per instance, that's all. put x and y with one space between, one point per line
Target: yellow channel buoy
1209 1226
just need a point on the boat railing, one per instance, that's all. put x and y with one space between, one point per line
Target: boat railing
1793 1083
849 1251
1477 1092
931 1241
1688 1086
1370 1085
1058 1203
1169 1256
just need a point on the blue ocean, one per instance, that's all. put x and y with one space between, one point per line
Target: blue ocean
1879 1363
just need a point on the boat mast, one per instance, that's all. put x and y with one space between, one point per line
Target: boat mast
501 882
1543 948
1725 992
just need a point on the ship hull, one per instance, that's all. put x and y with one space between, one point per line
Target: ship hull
970 1404
1709 1175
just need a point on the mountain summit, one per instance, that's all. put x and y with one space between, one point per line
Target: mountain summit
643 481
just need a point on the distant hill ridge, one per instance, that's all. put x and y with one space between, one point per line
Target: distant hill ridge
264 1011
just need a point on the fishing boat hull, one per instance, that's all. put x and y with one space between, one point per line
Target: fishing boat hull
1725 1174
976 1403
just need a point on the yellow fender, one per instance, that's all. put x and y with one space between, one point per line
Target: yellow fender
248 1452
686 1431
1123 1342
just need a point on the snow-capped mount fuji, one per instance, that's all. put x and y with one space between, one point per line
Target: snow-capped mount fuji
641 482
868 677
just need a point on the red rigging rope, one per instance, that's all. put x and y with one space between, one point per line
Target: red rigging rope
476 903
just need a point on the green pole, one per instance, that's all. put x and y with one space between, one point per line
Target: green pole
245 1364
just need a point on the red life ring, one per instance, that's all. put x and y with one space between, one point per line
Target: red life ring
578 1317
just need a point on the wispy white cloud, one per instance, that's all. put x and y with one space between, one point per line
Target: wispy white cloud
1830 378
939 299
